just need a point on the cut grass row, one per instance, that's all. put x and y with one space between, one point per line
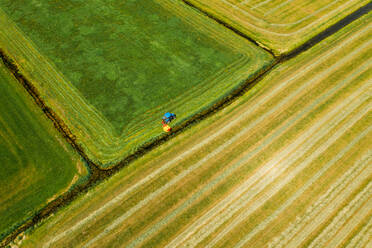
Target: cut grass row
252 175
37 165
111 83
279 25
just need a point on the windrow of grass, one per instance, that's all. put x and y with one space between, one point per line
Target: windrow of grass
110 69
37 165
293 149
279 25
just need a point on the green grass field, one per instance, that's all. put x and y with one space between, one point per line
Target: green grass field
286 165
111 69
36 163
277 24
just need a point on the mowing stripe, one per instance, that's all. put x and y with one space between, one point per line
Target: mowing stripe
355 168
355 212
260 102
229 171
265 171
254 6
326 198
327 211
256 27
211 220
279 6
317 210
362 236
210 155
241 217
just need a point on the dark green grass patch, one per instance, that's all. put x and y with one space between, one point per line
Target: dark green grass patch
132 61
125 57
36 163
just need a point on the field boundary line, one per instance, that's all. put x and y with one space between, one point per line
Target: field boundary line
209 222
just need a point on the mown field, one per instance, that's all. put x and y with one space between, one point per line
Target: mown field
286 165
37 165
277 24
111 69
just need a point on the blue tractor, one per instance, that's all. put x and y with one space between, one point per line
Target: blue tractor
168 117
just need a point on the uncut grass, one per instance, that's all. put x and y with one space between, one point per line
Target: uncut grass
233 178
308 197
37 164
278 44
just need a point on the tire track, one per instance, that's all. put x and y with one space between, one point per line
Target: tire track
230 170
211 220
